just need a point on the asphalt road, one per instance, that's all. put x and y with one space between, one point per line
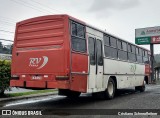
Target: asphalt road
125 99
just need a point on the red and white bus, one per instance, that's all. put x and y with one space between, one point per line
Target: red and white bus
59 51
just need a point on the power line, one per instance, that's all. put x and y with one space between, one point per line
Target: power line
9 19
11 23
23 3
6 24
36 6
6 34
46 6
6 40
6 31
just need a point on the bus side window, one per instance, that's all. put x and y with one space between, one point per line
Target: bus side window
99 53
78 40
91 46
145 57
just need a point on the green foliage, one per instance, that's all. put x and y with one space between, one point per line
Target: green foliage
30 93
5 74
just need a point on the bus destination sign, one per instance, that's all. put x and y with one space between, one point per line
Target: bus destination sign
147 35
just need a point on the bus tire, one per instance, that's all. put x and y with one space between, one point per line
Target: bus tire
68 93
141 88
110 91
1 92
73 94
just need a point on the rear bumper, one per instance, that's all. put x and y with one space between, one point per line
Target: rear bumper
40 84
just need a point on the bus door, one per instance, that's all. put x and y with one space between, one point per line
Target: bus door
99 64
96 63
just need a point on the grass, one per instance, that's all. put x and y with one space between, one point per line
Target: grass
29 93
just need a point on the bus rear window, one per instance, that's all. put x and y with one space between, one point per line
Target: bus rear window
78 40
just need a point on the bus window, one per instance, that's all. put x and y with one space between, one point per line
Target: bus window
137 50
145 57
122 50
91 47
124 46
78 44
131 53
140 51
122 55
99 53
80 31
106 40
129 48
78 37
110 52
133 49
74 29
119 44
131 57
113 42
139 58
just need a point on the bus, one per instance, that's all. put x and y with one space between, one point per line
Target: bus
65 53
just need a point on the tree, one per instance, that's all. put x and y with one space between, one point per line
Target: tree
1 47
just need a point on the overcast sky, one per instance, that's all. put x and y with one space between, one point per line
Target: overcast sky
118 17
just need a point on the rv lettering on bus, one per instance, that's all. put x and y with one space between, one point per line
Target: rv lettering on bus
35 62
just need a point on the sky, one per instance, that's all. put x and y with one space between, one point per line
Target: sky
118 17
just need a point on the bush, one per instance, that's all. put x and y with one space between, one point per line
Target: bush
5 75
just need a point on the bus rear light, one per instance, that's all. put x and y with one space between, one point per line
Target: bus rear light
23 76
45 76
62 77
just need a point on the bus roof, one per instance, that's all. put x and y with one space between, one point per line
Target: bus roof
91 26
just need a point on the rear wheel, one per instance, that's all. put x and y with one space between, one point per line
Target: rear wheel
1 92
73 94
141 88
110 91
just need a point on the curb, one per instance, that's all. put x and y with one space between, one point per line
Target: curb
28 96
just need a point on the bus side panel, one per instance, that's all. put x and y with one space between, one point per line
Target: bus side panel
127 74
79 83
79 72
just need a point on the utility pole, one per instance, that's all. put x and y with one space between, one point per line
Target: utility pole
152 61
148 36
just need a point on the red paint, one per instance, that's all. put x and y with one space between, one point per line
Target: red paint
42 47
16 83
79 70
79 62
155 39
79 83
36 84
52 84
147 69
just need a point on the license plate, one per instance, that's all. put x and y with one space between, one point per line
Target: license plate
36 77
